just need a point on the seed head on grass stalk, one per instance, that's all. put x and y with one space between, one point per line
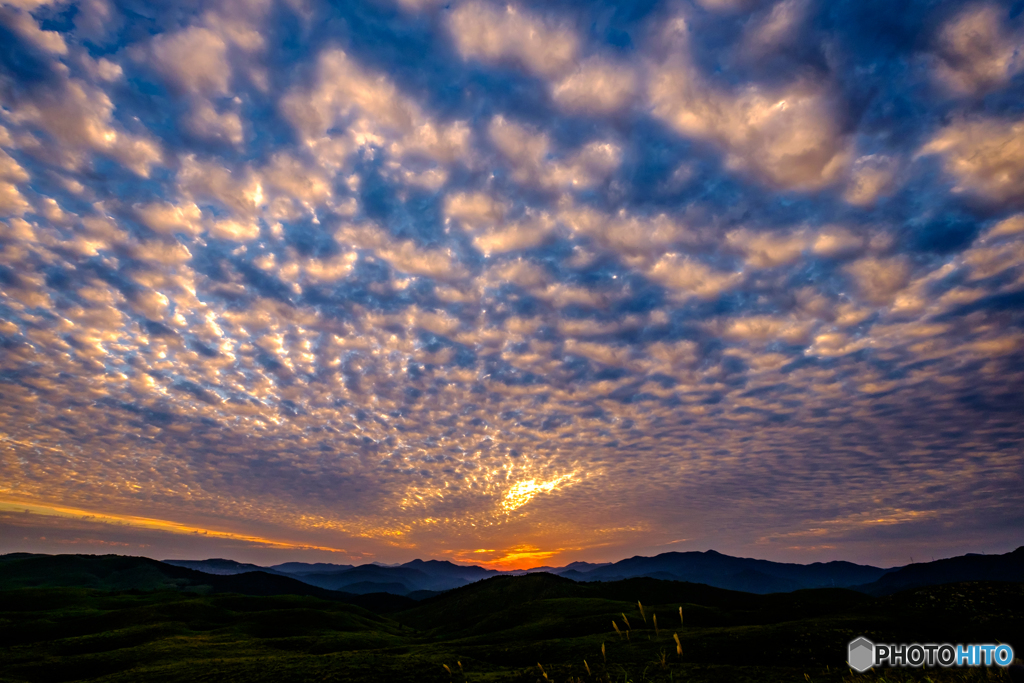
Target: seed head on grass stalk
543 673
680 615
605 657
616 627
679 646
642 611
655 617
626 620
587 667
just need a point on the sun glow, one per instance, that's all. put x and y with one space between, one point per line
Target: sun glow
523 492
522 556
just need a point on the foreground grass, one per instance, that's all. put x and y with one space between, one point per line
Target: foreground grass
501 632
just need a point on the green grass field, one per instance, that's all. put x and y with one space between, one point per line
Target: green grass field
499 630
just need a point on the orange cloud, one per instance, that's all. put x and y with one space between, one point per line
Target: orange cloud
150 523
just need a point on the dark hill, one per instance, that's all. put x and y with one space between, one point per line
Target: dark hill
734 573
121 573
464 607
364 587
445 569
1008 567
408 578
537 605
299 568
220 566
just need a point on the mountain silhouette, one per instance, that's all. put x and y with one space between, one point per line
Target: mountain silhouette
970 567
422 579
712 568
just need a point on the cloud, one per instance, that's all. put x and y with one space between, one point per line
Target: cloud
530 155
546 48
690 277
237 230
404 255
879 279
627 234
79 118
373 112
984 155
492 33
194 60
22 23
1010 226
766 328
727 5
297 180
766 250
871 177
12 202
836 241
200 63
96 20
975 51
596 85
484 219
206 122
788 136
238 190
167 219
777 28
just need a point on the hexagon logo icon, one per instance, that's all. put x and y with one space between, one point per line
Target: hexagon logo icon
861 654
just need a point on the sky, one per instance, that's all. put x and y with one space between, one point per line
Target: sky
512 284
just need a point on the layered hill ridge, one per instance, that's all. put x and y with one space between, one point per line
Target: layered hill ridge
735 573
423 579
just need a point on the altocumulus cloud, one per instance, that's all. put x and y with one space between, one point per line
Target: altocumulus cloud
418 278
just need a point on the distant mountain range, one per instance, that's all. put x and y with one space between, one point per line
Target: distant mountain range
419 579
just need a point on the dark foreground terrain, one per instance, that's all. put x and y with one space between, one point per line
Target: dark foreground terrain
191 627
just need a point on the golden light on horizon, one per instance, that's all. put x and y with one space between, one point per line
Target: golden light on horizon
521 556
136 522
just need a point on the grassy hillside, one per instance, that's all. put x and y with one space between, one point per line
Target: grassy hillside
499 629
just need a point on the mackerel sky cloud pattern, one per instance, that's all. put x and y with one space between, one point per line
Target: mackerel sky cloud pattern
512 284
